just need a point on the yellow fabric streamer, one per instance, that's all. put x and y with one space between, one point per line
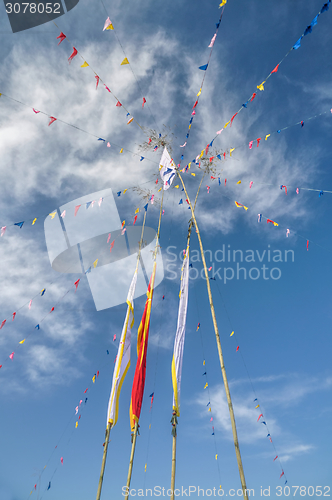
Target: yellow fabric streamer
222 3
53 215
145 468
227 124
238 182
204 362
261 86
137 211
94 378
76 425
199 93
121 150
84 65
177 186
257 406
110 27
125 61
189 164
231 334
95 263
217 456
209 409
22 341
125 191
159 190
206 385
231 151
34 220
192 173
189 126
268 135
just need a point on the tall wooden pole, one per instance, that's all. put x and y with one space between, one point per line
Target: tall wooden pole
103 463
131 461
174 417
221 358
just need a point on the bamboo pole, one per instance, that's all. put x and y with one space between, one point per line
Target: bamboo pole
221 358
174 419
131 461
173 462
103 463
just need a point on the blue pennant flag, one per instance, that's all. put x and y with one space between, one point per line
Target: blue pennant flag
298 43
204 67
19 224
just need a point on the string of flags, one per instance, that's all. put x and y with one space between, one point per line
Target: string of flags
203 68
260 416
52 119
261 87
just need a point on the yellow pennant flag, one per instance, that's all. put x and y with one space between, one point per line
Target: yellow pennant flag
110 27
189 127
53 215
202 153
22 341
84 65
204 362
125 191
231 334
231 151
121 150
217 456
261 86
192 173
94 378
209 409
199 93
95 263
189 164
275 224
268 135
76 425
125 61
150 426
238 182
137 211
130 120
257 406
227 124
34 220
239 205
222 3
206 385
145 468
159 190
177 186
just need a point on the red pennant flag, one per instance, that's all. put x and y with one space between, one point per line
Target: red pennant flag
282 474
253 96
150 140
86 390
144 101
194 106
97 373
35 111
258 141
76 210
225 181
142 345
52 309
260 416
307 245
275 458
97 81
2 324
76 284
62 36
238 347
14 314
112 245
118 104
225 155
71 57
233 118
275 69
135 219
52 119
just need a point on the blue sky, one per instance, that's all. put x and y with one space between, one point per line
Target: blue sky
281 325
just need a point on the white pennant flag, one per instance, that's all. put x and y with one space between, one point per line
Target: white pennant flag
123 357
180 335
167 169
